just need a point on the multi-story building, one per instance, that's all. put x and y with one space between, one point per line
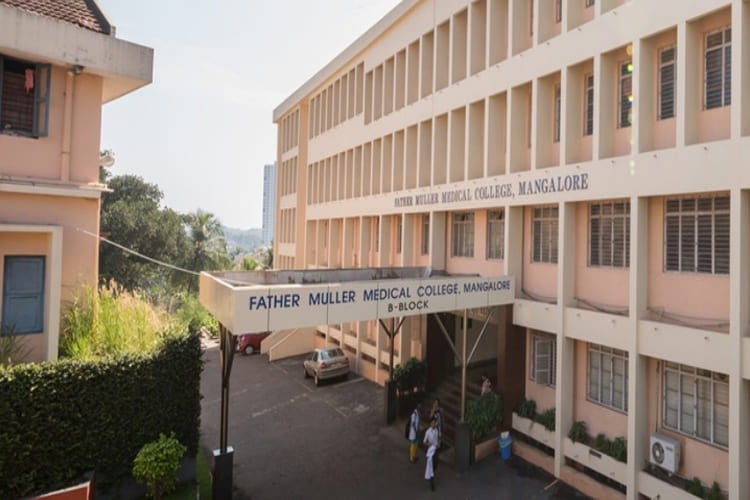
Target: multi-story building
269 202
592 149
59 63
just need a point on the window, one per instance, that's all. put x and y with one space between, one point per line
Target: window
718 69
589 3
626 94
667 80
544 224
609 234
696 402
558 11
588 122
495 234
543 358
425 234
697 235
556 132
24 97
463 235
23 295
608 377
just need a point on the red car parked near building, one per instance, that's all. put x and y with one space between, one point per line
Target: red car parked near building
250 342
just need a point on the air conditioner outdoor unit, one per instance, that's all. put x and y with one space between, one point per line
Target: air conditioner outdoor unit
664 452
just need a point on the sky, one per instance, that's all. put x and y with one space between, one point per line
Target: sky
203 129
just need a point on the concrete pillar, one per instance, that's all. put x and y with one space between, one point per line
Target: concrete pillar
565 375
365 228
637 366
54 287
740 119
536 120
604 111
644 101
438 242
571 104
410 226
348 252
384 248
688 97
513 262
739 294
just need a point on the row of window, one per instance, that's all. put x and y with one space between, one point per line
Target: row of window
696 234
695 402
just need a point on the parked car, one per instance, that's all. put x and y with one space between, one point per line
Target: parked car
326 363
250 342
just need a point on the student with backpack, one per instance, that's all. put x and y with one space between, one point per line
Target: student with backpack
412 432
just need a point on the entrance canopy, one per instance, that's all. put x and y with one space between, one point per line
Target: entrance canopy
255 301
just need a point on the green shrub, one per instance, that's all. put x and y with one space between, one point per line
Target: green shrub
192 316
602 443
157 463
695 487
62 419
111 321
527 408
483 413
412 374
578 432
715 492
618 449
547 419
12 348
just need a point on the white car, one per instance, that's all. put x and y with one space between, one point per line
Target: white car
326 363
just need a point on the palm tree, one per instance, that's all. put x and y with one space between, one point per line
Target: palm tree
209 248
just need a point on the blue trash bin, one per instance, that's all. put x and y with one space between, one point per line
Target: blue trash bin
505 442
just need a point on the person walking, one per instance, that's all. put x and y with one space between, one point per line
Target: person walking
432 442
437 415
413 433
486 385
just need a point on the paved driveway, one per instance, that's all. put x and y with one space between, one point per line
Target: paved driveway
295 440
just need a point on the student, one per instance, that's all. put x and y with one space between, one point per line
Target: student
437 414
413 432
432 442
486 385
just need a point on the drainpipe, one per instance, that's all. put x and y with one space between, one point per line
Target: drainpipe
68 122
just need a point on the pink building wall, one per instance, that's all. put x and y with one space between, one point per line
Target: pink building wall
538 278
543 395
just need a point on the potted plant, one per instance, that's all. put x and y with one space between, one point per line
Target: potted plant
483 415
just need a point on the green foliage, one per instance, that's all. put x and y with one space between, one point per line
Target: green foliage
527 408
208 248
619 449
601 443
12 348
110 321
413 374
547 419
62 419
577 432
483 413
715 492
192 316
157 463
695 487
131 215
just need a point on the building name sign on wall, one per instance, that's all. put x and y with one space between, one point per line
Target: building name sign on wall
292 306
556 184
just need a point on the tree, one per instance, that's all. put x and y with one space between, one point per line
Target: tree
207 243
132 216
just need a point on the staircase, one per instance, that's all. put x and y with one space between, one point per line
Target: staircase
449 393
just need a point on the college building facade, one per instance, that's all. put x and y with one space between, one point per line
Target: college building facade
591 149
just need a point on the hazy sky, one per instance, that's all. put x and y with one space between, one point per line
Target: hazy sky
203 129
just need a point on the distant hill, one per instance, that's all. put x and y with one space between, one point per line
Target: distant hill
245 240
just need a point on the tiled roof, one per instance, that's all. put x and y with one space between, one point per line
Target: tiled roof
83 13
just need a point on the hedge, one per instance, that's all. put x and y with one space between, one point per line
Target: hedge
60 419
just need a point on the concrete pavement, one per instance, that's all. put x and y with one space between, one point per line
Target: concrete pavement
295 440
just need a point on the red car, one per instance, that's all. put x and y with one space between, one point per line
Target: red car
250 342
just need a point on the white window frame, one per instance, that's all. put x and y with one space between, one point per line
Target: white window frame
681 411
602 385
688 215
544 228
558 114
724 48
425 234
496 234
543 365
625 84
462 234
588 104
666 64
607 248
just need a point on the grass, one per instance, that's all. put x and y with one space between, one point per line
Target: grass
203 476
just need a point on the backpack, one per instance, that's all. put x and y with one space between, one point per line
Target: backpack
406 429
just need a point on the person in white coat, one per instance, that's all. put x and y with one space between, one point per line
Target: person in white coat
413 433
432 441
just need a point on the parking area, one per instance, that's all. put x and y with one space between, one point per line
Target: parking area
294 440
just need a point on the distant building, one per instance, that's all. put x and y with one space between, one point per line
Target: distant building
269 201
60 62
